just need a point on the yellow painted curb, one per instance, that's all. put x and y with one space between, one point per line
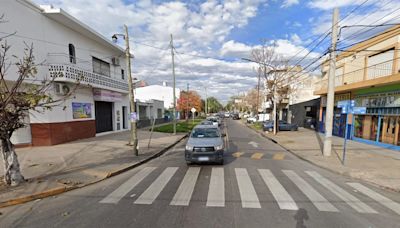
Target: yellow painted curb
40 195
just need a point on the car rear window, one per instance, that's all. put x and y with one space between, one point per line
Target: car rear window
205 133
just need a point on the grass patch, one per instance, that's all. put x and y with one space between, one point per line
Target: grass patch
257 126
181 126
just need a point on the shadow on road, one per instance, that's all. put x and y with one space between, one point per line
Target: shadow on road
300 217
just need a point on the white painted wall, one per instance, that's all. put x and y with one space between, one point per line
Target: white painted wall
50 40
157 92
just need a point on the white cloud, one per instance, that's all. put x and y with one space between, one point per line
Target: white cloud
330 4
288 3
295 39
198 29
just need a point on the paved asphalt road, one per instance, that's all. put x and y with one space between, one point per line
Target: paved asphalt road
260 185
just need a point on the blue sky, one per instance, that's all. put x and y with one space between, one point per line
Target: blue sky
211 36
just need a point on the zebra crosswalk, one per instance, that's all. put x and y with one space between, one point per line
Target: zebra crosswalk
270 184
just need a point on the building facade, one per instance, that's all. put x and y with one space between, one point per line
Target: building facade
369 75
70 52
158 92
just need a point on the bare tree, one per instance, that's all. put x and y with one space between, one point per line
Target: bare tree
19 95
274 69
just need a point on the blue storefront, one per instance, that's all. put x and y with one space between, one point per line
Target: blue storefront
380 125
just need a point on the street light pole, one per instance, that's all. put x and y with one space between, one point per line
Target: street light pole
134 139
173 82
206 108
187 103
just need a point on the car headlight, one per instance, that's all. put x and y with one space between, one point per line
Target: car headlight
220 147
188 147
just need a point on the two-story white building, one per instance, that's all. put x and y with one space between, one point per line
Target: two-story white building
68 50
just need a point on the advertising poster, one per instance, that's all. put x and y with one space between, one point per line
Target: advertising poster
81 110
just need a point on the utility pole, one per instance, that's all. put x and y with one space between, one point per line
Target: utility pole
275 120
206 102
173 82
134 139
258 91
331 87
187 103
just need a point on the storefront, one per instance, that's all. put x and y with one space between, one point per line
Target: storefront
381 122
339 119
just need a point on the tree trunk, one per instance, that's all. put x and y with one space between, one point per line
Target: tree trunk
12 172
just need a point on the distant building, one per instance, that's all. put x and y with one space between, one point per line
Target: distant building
158 92
70 50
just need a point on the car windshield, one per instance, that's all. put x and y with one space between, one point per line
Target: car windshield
205 133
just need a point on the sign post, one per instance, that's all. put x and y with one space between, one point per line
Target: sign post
193 110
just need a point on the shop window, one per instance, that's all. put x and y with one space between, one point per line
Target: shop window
358 126
374 128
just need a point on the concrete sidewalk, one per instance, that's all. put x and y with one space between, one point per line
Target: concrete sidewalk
367 162
54 169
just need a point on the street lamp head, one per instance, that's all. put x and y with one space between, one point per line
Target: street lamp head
114 38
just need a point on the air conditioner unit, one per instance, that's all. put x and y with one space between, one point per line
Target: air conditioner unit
115 61
61 89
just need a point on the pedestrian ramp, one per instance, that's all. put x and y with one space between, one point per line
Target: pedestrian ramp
283 186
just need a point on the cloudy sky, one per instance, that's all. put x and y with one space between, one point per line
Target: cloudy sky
211 36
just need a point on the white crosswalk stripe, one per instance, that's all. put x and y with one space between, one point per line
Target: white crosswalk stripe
186 188
248 194
216 190
351 200
126 187
376 196
156 187
284 200
247 190
317 199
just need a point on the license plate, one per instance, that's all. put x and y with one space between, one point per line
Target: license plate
203 159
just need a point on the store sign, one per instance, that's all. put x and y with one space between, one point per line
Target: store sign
388 99
106 95
359 110
338 98
81 110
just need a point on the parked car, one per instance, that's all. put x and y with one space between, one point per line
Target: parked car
205 144
206 122
227 114
235 116
216 121
251 119
283 126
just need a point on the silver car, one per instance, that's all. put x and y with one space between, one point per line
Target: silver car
205 144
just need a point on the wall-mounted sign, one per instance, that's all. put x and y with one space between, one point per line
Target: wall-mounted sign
81 110
360 110
338 97
388 99
106 95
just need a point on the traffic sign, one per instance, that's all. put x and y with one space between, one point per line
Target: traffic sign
193 110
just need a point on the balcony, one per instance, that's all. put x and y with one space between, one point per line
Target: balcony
381 73
68 73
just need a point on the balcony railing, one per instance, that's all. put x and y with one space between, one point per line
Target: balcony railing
379 70
68 73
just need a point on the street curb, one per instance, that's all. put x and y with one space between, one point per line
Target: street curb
319 166
59 190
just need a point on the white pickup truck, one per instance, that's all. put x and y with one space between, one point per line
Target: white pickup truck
261 118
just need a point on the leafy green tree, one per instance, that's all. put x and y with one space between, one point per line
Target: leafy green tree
214 105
